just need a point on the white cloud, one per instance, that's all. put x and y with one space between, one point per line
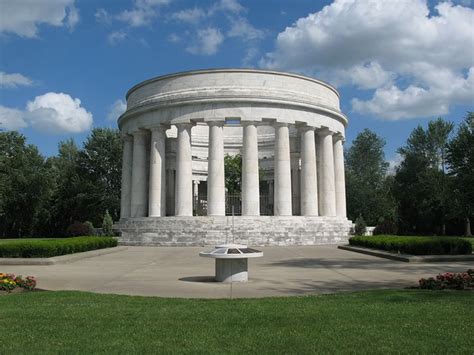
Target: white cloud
174 38
232 6
11 119
207 41
103 17
394 164
397 48
142 12
116 37
14 80
50 113
22 17
57 113
116 109
240 27
193 15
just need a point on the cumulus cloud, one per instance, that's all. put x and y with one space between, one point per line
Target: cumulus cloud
417 62
14 80
49 113
116 109
141 14
116 37
193 15
240 27
207 41
22 17
11 119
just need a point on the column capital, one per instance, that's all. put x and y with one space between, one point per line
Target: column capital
304 128
185 124
215 123
280 124
323 132
338 137
139 133
126 137
158 127
249 123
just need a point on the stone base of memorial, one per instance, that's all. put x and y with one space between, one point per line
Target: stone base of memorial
260 231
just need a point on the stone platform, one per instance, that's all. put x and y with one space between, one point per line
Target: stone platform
255 231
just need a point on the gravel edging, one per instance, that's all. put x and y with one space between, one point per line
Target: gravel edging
406 257
62 259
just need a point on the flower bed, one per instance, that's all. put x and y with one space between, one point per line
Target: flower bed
10 282
450 280
415 245
53 247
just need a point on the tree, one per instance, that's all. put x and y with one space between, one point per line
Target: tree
233 173
460 158
107 224
366 169
421 181
26 186
100 168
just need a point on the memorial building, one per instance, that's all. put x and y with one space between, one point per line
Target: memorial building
289 131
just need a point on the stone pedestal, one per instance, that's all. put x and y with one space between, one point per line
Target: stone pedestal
232 270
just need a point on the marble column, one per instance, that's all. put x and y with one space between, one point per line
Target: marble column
339 176
157 182
170 192
127 155
139 199
327 193
295 183
282 171
309 185
250 172
184 171
215 170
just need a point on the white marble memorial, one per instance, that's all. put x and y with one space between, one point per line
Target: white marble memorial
289 131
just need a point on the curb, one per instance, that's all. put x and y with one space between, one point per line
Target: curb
62 259
406 257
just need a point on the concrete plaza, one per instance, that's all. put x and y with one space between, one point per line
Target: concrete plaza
180 272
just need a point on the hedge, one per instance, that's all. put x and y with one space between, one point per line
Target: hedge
48 248
414 245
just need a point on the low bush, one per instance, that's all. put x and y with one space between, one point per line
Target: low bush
48 248
360 226
8 282
77 229
449 280
415 245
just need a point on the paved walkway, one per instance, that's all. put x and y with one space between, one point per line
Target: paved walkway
180 272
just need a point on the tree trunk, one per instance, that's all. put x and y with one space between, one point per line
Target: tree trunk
443 229
468 227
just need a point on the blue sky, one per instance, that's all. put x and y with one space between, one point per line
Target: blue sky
66 64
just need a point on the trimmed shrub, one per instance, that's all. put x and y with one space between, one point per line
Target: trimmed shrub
415 245
360 226
78 228
48 248
107 224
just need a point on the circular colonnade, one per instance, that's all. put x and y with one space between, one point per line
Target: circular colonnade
177 130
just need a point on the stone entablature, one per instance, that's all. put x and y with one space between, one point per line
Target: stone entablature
178 127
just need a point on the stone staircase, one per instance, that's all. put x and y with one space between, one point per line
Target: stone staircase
257 231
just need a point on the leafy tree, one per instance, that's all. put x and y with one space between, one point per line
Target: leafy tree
68 186
25 186
99 168
460 158
233 173
366 170
421 181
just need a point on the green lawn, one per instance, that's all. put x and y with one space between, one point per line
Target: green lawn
401 321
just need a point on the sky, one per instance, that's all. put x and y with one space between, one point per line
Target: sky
66 65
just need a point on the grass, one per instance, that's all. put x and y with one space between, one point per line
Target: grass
407 321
